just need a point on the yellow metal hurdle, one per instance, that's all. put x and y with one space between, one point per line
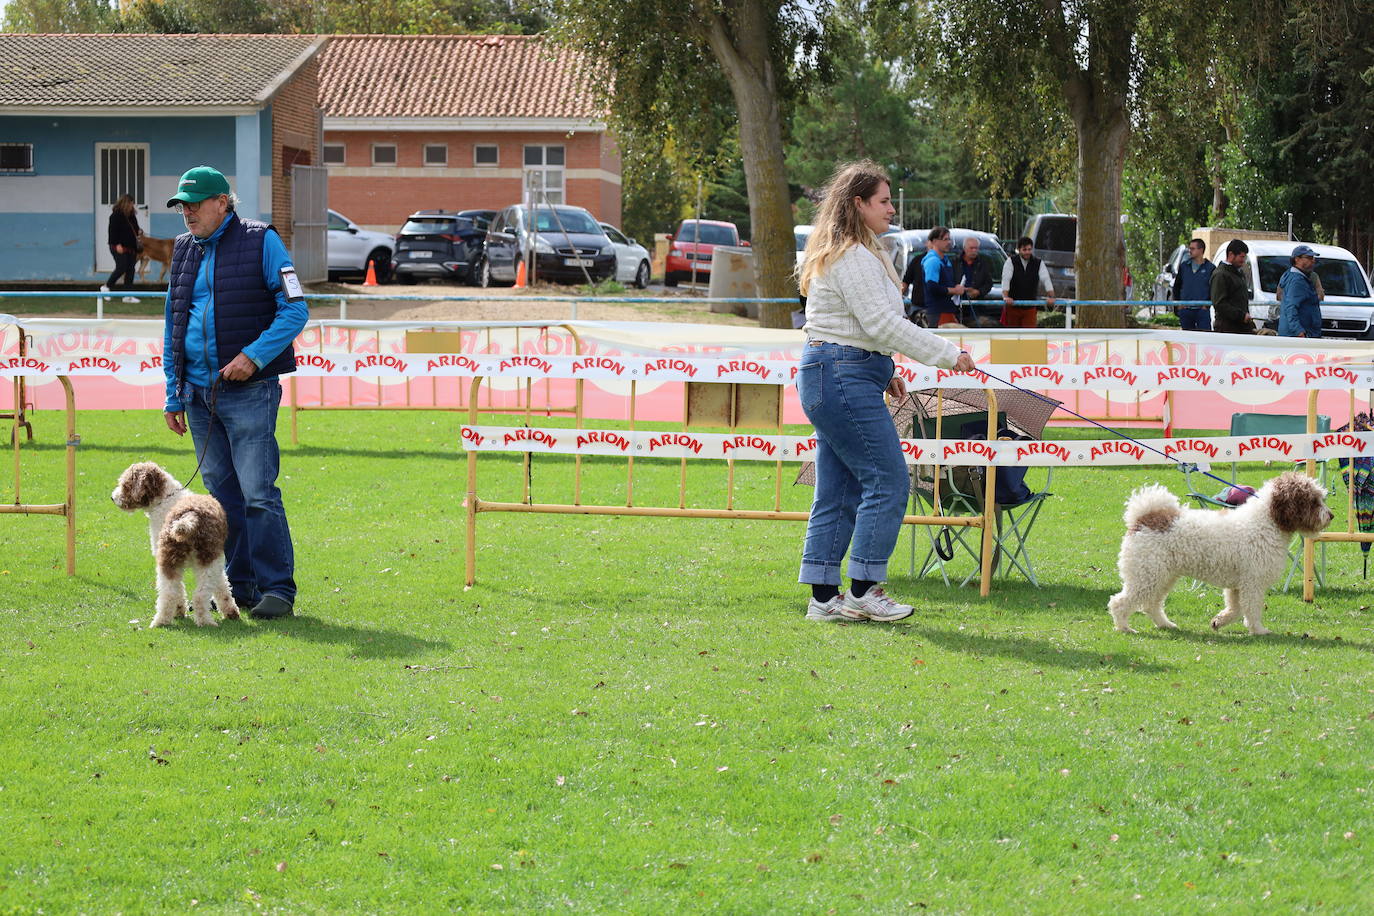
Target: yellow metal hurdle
721 404
1349 535
67 508
436 339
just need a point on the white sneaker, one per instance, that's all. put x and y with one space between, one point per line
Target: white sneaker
874 605
104 288
828 611
133 299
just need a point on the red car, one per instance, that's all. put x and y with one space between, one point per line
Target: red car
692 244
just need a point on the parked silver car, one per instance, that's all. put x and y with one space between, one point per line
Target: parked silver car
1055 236
1164 281
349 247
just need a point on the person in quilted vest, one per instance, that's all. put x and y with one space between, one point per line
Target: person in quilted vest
234 307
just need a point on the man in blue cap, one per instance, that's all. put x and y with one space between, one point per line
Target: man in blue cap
234 307
1300 310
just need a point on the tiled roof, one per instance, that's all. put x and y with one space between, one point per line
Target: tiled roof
147 71
454 76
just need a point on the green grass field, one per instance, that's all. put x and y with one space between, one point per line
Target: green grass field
631 714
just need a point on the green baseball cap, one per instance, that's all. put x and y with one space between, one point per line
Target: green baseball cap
198 184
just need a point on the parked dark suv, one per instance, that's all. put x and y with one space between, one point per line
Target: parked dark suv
565 241
436 243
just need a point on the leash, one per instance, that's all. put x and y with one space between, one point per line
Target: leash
210 402
1183 466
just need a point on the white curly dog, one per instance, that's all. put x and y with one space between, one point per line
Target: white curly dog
186 529
1243 551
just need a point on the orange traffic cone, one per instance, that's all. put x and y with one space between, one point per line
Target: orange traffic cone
520 276
371 278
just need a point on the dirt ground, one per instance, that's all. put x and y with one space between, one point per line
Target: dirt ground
513 305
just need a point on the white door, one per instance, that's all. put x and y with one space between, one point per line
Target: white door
625 263
120 168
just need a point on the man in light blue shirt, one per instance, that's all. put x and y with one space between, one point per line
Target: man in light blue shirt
234 307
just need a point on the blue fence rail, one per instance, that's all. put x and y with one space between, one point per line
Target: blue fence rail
1067 305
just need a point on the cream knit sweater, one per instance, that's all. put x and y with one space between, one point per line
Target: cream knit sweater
856 304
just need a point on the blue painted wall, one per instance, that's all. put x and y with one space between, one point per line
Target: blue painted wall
48 229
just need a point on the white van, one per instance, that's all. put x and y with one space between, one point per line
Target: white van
1347 310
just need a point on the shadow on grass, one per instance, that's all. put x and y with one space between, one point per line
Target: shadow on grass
365 642
181 449
318 451
1035 651
1236 635
177 448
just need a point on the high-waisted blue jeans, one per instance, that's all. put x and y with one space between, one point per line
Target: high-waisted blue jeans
238 448
862 484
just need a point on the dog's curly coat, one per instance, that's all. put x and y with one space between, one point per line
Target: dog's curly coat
186 529
1243 551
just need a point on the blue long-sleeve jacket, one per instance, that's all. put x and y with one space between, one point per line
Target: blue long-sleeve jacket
1300 312
939 277
201 353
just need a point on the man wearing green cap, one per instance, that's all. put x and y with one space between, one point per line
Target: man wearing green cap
234 307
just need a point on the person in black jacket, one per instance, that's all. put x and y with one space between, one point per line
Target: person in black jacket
913 284
1230 296
973 272
123 240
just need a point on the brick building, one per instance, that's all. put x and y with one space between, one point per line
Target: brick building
459 122
87 118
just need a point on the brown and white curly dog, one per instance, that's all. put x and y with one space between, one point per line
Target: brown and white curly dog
186 529
1243 551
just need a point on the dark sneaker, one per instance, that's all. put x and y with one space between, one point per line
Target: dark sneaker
271 608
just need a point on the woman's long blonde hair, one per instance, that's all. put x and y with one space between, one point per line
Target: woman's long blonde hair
124 206
838 223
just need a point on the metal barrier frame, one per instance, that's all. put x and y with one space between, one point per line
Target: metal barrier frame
66 508
1349 535
548 408
474 504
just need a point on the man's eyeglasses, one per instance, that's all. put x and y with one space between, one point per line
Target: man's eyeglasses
182 207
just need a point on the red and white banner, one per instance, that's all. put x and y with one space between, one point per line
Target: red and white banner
751 371
1117 376
1075 453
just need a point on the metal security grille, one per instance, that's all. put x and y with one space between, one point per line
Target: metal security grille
123 170
309 220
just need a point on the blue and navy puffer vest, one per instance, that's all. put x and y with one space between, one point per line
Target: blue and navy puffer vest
244 307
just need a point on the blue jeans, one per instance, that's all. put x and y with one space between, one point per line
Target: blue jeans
240 462
862 484
1195 319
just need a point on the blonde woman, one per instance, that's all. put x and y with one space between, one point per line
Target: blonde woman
854 321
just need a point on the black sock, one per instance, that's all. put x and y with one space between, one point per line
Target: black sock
824 593
858 587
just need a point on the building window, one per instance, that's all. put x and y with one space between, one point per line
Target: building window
544 174
334 153
436 154
16 157
384 154
290 156
486 155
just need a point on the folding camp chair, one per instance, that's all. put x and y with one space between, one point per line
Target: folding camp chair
1260 424
961 489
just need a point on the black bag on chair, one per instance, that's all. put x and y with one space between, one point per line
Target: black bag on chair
1009 487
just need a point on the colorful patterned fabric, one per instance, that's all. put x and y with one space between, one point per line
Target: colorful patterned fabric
1358 474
